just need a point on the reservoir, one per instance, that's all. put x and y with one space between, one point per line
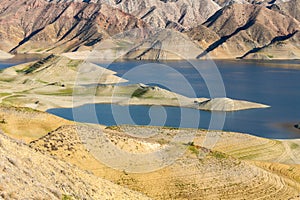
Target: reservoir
275 83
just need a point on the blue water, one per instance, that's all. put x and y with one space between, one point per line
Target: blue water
253 81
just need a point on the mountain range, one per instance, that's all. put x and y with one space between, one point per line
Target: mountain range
150 29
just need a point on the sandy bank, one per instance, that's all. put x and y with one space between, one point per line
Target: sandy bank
4 55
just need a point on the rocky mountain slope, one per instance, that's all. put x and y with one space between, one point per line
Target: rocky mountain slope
222 29
291 8
38 25
244 30
180 14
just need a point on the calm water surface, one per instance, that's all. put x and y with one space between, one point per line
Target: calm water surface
253 81
273 83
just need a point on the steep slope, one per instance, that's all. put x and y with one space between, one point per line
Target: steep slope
291 8
165 13
240 29
244 29
38 25
26 174
223 3
165 45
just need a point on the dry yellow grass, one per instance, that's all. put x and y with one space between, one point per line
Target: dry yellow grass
216 176
27 124
239 166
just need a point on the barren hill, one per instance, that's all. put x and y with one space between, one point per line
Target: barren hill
26 174
242 30
239 166
232 29
291 8
216 176
41 26
165 13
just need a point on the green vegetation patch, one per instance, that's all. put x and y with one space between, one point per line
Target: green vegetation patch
74 63
13 98
162 141
38 64
218 155
8 80
139 92
194 149
66 197
294 145
115 128
4 94
62 92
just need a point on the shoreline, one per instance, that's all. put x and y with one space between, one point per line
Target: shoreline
289 126
46 102
76 57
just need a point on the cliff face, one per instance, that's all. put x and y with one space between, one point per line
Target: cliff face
239 29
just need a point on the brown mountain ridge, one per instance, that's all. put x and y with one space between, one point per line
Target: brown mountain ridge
241 29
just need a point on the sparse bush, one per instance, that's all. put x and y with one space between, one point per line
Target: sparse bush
2 120
162 141
115 128
170 128
194 149
66 197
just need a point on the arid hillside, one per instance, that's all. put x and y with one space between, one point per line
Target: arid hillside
214 176
61 163
27 174
221 29
248 31
40 26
